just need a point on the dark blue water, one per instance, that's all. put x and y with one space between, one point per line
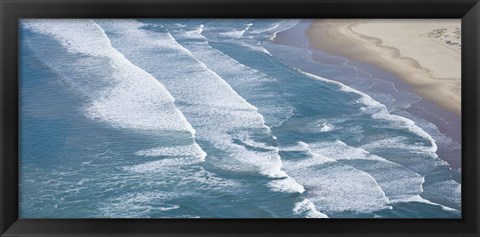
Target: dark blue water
206 118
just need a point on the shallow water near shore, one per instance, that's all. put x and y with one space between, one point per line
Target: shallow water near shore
210 119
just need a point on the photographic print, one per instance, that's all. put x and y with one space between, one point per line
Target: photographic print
240 118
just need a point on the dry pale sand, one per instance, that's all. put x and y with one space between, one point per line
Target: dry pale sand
423 52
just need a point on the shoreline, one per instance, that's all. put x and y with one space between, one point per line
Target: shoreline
439 82
447 121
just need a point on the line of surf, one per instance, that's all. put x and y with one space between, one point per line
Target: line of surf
120 93
220 116
379 111
250 84
246 81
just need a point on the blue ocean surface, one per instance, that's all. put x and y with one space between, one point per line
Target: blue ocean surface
205 118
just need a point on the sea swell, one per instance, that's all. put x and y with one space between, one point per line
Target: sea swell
224 123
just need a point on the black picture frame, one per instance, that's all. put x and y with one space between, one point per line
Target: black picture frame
13 10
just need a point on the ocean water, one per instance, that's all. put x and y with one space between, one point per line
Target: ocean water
190 118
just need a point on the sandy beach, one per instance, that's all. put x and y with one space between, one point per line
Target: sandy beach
424 53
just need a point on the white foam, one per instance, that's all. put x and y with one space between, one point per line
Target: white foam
253 45
190 150
233 34
414 156
334 187
87 162
239 37
245 80
134 99
283 26
196 33
338 150
248 26
379 111
138 204
250 142
180 25
307 208
257 47
422 200
161 165
326 127
215 110
287 184
236 33
77 36
397 181
317 158
400 142
270 28
410 125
